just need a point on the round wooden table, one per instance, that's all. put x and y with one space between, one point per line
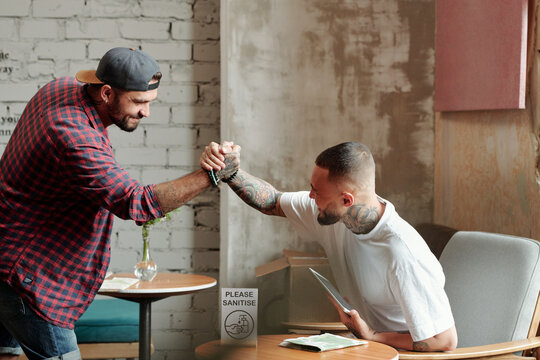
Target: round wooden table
332 327
162 286
268 348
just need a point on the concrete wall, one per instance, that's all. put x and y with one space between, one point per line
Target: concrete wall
44 39
300 76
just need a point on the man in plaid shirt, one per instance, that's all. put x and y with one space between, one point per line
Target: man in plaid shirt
59 188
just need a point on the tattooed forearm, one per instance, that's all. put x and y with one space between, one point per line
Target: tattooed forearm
361 219
257 193
421 346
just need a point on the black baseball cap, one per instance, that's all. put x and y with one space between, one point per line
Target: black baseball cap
123 68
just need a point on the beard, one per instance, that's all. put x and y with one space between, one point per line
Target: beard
327 217
121 121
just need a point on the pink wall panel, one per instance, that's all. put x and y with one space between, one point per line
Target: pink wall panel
480 54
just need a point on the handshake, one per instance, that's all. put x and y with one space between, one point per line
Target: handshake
221 161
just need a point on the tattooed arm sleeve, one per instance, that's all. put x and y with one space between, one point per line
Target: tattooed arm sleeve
257 193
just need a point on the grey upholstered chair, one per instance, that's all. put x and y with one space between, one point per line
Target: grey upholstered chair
493 284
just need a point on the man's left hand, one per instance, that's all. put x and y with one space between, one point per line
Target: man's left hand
356 324
353 322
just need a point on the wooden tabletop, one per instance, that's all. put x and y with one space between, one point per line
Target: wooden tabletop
268 348
163 285
325 326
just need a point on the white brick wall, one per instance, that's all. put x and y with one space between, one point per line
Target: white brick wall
154 175
61 50
183 94
46 39
113 9
39 29
15 7
199 114
197 72
165 9
206 52
42 68
171 137
166 51
182 157
92 29
185 30
17 92
57 8
148 30
7 29
142 156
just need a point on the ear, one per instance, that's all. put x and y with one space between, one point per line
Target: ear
348 199
106 93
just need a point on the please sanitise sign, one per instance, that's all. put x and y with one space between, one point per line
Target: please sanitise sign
239 316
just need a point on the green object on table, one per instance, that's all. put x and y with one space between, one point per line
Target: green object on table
322 342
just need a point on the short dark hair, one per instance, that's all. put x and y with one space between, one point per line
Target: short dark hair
348 159
157 76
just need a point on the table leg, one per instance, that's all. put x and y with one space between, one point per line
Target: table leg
145 324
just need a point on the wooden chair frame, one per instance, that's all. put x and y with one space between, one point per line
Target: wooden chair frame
505 350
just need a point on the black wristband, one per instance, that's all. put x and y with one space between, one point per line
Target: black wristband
213 178
230 178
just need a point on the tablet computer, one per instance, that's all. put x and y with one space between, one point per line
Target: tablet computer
332 291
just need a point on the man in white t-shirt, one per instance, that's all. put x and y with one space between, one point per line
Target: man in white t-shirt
381 264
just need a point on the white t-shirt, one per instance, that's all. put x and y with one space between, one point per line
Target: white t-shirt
388 275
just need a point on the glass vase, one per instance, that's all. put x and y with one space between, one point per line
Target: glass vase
146 269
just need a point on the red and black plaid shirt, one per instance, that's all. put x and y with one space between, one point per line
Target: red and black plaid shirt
59 188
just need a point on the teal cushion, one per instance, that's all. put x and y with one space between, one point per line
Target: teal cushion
109 320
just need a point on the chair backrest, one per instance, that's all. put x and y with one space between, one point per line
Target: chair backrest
492 282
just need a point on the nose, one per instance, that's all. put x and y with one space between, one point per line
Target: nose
311 194
145 110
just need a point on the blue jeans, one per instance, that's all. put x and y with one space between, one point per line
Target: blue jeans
22 329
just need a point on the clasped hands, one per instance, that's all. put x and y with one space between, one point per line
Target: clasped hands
223 159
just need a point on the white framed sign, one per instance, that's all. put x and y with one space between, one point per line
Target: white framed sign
239 316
